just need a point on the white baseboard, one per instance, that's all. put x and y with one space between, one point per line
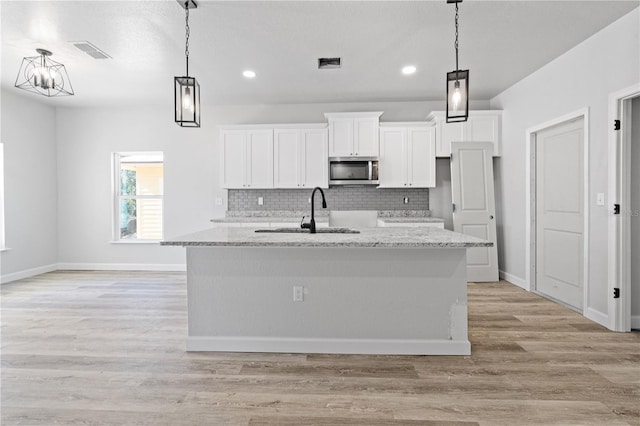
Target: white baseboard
597 316
513 279
328 346
28 273
177 267
635 322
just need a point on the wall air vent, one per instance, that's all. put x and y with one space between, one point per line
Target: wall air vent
90 50
328 63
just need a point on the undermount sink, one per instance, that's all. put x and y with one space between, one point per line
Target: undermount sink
306 231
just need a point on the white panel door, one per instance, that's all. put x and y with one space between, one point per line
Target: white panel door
421 160
232 158
366 141
341 137
474 200
393 157
259 159
314 158
286 158
559 212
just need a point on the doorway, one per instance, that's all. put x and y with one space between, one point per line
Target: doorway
557 209
634 212
624 207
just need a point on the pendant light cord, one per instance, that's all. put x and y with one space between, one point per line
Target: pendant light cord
187 31
456 43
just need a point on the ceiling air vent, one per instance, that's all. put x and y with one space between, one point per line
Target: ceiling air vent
328 63
90 50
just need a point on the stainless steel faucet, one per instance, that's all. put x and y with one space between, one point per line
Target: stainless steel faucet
312 224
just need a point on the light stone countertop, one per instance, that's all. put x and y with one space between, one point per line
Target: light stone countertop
428 237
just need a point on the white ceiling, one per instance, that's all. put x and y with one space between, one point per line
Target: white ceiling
500 42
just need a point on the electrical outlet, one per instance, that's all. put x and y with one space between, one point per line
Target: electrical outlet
406 200
218 201
600 199
298 293
260 201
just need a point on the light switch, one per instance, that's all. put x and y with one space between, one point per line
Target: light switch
600 199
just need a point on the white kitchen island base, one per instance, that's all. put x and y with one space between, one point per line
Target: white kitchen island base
356 300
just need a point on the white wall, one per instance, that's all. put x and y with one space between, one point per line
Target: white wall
28 134
583 77
87 136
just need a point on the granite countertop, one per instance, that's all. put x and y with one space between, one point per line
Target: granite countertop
427 237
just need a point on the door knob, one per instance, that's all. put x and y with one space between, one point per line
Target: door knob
491 217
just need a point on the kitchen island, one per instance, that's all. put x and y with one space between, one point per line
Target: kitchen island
381 291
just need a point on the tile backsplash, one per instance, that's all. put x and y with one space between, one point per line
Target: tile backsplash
338 198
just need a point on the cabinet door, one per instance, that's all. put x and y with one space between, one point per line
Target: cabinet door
232 158
341 137
447 133
259 159
366 137
485 128
393 157
286 158
314 158
421 157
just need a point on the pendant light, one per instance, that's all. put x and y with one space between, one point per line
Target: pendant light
187 89
457 86
39 74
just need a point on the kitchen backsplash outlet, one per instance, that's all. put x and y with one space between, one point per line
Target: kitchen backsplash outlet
339 198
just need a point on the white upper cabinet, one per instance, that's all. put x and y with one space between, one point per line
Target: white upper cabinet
421 160
482 126
247 158
353 134
407 155
314 158
300 158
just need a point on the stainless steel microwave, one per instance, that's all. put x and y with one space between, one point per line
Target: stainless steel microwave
353 171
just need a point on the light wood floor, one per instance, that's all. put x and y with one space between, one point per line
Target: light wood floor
108 348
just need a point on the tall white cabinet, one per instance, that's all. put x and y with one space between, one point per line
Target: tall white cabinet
482 126
353 134
407 155
246 158
300 158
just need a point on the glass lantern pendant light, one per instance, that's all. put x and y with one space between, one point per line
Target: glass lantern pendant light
39 74
187 89
457 86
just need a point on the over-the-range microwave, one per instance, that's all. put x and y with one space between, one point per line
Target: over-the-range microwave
353 171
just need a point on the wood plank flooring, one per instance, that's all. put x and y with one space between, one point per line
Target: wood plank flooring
107 348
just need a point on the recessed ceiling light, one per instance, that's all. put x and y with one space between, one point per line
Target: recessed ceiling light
249 74
408 70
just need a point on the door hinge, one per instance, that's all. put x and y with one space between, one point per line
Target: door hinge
616 293
616 124
616 209
453 208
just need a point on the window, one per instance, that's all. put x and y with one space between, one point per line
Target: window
138 191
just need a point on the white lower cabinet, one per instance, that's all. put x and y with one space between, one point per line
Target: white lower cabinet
482 126
407 156
300 158
246 158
